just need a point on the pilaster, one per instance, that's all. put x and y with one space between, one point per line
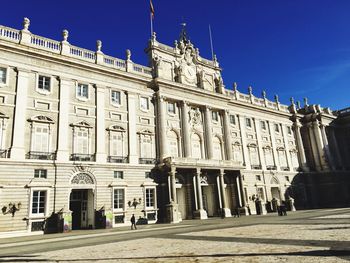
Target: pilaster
100 125
185 129
208 131
286 147
300 146
162 127
320 145
314 149
245 152
18 147
227 135
200 213
133 155
273 143
258 137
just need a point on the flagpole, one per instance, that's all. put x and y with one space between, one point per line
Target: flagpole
211 43
151 19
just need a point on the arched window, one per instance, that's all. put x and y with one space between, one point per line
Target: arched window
173 141
217 148
196 146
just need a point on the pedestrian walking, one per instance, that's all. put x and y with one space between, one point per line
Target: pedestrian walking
133 222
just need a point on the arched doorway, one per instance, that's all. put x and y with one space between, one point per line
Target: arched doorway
81 201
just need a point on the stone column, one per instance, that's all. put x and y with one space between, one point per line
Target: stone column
19 123
163 152
200 213
185 129
320 145
173 208
326 146
226 211
227 134
300 146
132 139
260 151
315 152
245 152
100 125
208 131
273 143
286 147
240 190
63 120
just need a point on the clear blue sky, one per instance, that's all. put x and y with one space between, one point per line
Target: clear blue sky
288 47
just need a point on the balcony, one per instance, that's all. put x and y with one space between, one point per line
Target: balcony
4 153
271 167
117 159
82 157
41 156
203 163
284 168
147 161
256 167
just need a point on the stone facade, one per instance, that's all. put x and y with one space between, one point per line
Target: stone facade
87 140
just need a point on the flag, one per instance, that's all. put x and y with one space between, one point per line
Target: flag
151 8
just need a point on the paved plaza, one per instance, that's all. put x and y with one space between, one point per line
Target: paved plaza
302 236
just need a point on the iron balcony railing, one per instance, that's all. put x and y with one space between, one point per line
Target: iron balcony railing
117 159
82 157
41 155
147 161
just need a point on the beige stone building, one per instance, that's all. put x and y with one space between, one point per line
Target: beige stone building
87 140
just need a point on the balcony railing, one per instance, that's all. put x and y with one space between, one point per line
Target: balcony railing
82 157
41 155
271 167
117 159
147 161
4 153
284 168
256 167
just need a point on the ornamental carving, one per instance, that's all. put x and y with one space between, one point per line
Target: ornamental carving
82 178
195 116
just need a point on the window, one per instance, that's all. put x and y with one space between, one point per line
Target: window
118 174
147 174
82 142
146 146
248 122
118 199
3 75
144 103
217 151
44 83
149 197
40 173
38 202
232 119
277 127
289 130
258 177
115 97
116 141
82 91
41 139
263 125
215 116
171 107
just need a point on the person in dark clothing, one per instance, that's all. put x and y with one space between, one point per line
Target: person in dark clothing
133 222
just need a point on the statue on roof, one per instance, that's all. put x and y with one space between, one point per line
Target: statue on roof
183 35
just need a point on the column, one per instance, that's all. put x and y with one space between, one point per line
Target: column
258 137
227 135
185 129
63 119
18 141
273 143
173 208
226 211
315 153
172 187
246 160
208 131
163 152
200 213
320 145
240 191
286 147
100 125
133 156
300 146
326 146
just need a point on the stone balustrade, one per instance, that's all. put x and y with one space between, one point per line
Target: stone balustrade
66 49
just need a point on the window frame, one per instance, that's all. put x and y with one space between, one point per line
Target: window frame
79 85
248 121
43 91
174 105
6 68
118 209
215 116
120 173
277 128
34 127
263 125
148 103
114 103
46 202
147 206
232 117
40 174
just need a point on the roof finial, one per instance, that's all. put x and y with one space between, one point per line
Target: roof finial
183 34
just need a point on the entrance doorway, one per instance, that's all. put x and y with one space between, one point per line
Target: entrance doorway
81 205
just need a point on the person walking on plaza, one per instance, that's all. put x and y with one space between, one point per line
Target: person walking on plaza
133 222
